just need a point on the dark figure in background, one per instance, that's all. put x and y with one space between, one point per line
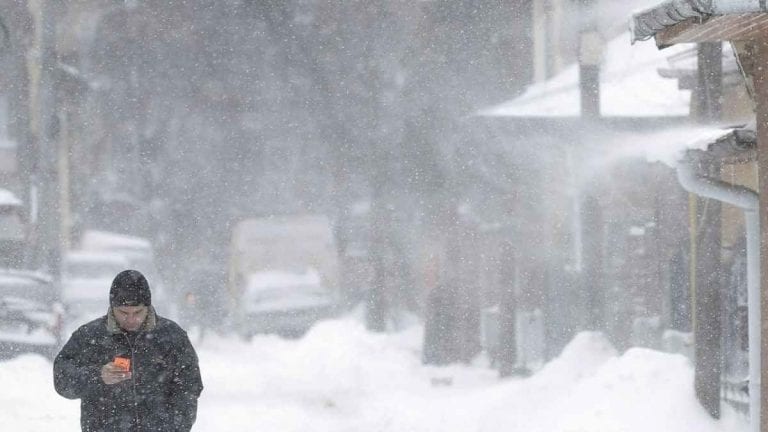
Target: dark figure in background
190 314
200 306
441 328
132 369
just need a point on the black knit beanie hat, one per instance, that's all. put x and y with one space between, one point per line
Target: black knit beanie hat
130 288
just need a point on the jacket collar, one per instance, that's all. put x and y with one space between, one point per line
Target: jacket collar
149 324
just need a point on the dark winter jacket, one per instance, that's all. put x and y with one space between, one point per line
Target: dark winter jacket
162 393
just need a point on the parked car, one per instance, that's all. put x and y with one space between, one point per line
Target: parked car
13 230
283 273
30 314
283 303
85 279
139 254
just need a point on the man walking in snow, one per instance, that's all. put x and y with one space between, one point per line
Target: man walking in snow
132 369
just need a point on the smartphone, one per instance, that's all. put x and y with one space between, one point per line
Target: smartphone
123 363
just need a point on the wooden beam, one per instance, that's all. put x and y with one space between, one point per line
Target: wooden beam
761 99
707 327
594 267
507 349
714 29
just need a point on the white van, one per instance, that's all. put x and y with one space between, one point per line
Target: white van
283 274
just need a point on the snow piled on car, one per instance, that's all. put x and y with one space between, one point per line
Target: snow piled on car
341 377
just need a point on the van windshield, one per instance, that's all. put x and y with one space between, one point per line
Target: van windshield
11 225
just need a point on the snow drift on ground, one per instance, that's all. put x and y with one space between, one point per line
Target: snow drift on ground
340 377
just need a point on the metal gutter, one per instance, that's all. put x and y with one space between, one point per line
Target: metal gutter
748 201
645 24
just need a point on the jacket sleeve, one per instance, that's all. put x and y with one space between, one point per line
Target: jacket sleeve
186 386
72 378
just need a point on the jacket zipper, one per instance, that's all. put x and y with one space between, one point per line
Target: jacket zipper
133 384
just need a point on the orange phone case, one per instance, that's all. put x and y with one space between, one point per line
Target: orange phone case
123 363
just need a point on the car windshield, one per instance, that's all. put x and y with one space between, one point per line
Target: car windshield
11 225
289 291
92 270
277 283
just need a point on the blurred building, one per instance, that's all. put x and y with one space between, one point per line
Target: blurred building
620 233
728 318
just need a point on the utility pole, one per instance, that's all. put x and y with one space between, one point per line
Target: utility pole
588 208
377 308
507 349
593 280
45 131
590 56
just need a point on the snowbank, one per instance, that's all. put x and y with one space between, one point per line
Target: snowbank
29 402
581 358
340 377
642 390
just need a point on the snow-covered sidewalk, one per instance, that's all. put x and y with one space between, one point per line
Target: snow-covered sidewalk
342 378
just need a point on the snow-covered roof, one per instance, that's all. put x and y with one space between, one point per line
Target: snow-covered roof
103 240
280 279
95 257
8 198
630 86
15 276
667 146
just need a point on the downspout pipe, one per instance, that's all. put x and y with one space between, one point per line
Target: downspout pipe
747 200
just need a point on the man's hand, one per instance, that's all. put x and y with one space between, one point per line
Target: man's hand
113 374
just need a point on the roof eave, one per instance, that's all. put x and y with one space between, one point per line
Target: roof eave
735 147
647 23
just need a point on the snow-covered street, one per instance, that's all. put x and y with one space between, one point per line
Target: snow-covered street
340 377
562 200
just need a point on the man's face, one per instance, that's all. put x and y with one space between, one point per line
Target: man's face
130 318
